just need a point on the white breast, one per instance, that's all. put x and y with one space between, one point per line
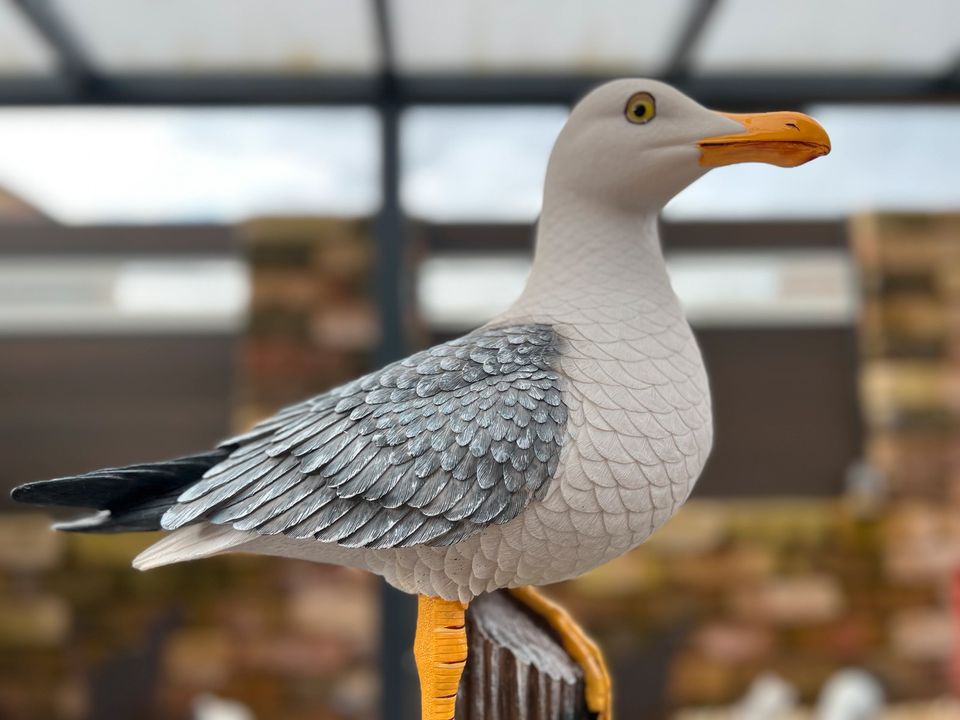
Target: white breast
640 425
639 429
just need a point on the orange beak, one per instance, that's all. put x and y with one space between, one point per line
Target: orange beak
786 139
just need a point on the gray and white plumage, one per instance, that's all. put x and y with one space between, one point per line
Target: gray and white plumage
427 451
637 430
557 437
630 376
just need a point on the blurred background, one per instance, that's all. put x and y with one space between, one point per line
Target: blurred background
211 208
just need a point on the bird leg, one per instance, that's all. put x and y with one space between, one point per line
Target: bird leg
440 649
581 648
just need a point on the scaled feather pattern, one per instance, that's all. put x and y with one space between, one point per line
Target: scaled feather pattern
427 451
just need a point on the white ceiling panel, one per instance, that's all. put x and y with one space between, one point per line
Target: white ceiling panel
634 36
281 36
859 36
22 50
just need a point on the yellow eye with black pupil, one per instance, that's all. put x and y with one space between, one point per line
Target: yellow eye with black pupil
641 108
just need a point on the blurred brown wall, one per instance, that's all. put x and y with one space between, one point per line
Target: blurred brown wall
70 404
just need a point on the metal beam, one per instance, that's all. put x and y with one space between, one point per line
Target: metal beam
156 89
678 64
398 682
747 91
381 15
76 70
734 91
398 690
951 79
769 91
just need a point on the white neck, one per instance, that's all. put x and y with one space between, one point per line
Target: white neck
594 254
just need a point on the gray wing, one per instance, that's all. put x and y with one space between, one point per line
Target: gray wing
426 451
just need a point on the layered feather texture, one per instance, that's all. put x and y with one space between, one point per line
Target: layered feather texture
426 451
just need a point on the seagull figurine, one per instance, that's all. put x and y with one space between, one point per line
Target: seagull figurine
556 437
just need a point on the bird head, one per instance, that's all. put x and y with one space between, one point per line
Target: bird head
634 143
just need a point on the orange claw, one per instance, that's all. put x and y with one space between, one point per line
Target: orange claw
584 651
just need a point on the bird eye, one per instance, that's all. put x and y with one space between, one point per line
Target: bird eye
641 108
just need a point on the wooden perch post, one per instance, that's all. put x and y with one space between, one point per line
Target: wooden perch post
516 668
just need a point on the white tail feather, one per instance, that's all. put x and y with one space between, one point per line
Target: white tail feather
190 543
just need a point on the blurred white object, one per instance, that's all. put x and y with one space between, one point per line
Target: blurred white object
116 295
466 290
720 289
850 695
770 697
211 707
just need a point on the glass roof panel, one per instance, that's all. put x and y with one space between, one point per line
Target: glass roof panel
829 36
185 36
22 50
476 163
167 165
864 171
633 36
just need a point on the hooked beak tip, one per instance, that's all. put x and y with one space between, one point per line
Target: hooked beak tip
786 139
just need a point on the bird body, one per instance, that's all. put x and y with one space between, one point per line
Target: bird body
636 436
556 437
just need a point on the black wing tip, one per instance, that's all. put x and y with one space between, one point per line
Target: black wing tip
40 492
104 487
56 492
